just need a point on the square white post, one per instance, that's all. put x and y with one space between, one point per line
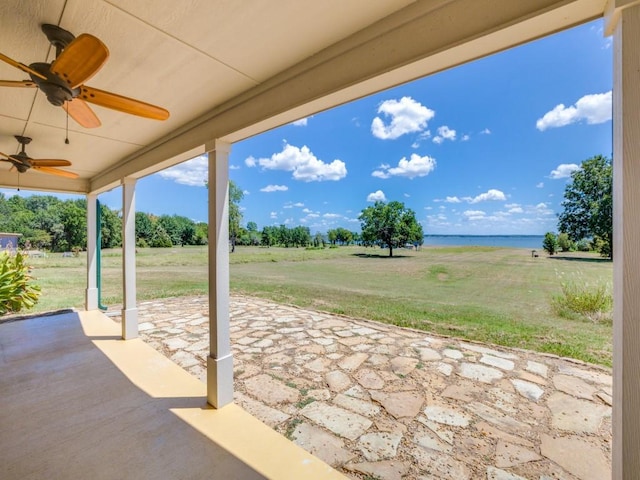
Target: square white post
91 295
220 361
129 306
624 23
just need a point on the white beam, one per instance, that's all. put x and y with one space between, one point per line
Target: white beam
129 307
220 361
626 236
91 297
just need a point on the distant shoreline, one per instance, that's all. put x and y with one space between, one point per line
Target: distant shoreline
510 241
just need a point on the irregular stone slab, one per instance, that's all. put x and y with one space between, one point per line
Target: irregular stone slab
463 393
358 392
574 386
184 359
265 414
364 331
339 421
498 362
379 446
352 362
337 380
479 373
452 353
493 432
573 415
530 377
527 389
537 368
442 465
325 446
605 397
445 368
576 456
386 470
494 473
176 343
589 375
356 405
270 390
277 359
494 416
447 415
403 365
399 404
318 365
430 441
369 379
509 455
428 354
487 351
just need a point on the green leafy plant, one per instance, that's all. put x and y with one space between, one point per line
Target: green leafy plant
592 302
17 291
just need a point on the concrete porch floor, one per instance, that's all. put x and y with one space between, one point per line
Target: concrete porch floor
77 403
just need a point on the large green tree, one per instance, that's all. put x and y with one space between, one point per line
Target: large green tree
390 225
588 204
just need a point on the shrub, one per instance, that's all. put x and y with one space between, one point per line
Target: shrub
550 243
592 302
17 291
583 245
564 242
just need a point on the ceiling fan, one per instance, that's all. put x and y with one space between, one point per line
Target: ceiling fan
62 81
23 162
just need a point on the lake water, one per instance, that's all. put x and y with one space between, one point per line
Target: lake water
511 241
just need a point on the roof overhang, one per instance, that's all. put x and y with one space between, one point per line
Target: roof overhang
230 70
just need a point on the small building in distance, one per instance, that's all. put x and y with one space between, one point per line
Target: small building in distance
9 241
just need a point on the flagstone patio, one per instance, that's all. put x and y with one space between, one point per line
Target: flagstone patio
383 402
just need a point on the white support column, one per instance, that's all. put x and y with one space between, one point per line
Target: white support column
91 295
624 22
129 306
220 361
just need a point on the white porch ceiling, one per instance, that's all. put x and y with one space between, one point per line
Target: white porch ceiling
230 69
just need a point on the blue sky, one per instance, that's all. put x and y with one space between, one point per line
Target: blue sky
485 148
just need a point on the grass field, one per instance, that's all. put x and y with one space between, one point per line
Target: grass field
495 295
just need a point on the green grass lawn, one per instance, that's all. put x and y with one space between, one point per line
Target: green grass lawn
495 295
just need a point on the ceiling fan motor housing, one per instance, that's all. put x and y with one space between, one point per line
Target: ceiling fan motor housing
56 90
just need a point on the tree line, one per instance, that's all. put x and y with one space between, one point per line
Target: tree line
49 223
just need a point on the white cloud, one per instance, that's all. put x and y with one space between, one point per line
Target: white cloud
540 185
564 170
452 200
300 123
274 188
406 116
193 172
474 215
486 131
234 167
273 215
594 108
304 165
298 204
332 215
250 162
516 210
491 194
465 138
416 166
377 196
444 133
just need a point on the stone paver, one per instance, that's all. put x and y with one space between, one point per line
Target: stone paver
377 401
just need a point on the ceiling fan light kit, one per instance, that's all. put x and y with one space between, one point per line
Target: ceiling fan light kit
62 81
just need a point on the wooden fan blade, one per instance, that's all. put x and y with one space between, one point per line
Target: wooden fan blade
80 60
82 113
21 66
49 162
18 83
4 155
56 171
122 104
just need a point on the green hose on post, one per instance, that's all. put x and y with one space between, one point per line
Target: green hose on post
99 254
